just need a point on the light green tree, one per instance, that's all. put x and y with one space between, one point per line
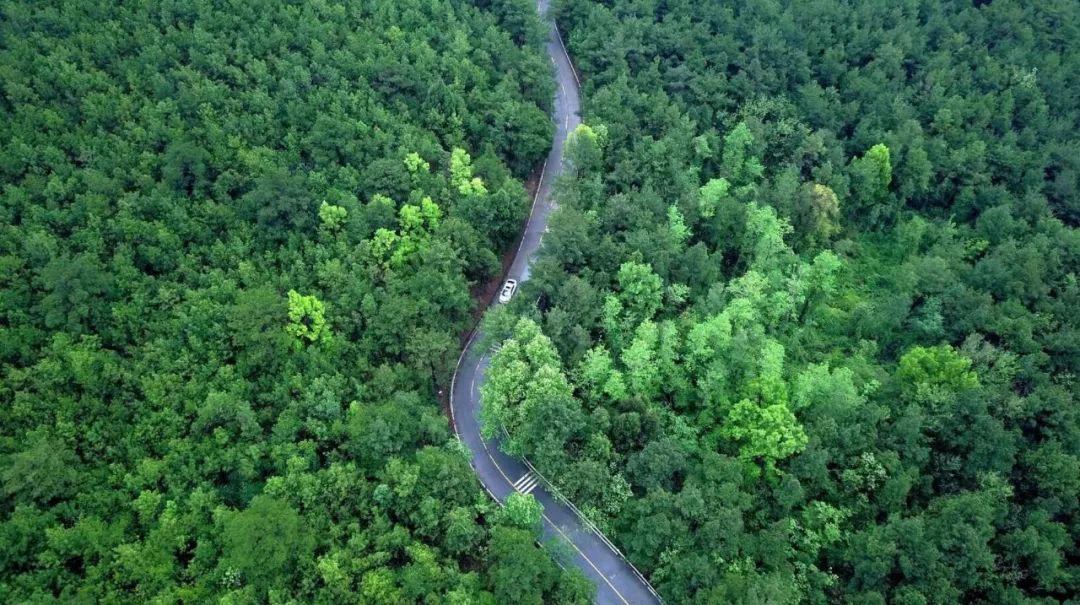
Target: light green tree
643 374
641 292
738 164
522 511
381 247
931 373
331 217
871 177
416 164
307 320
680 233
415 230
712 195
879 158
527 394
765 233
611 319
463 533
818 386
379 588
815 282
598 376
584 148
765 433
461 174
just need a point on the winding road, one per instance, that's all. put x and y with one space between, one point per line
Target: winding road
617 582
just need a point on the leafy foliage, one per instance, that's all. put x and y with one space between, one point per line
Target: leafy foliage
815 296
234 262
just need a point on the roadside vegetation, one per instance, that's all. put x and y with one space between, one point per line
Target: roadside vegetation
810 320
237 241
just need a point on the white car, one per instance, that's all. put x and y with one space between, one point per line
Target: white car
507 291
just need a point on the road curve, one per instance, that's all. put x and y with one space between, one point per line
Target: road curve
617 583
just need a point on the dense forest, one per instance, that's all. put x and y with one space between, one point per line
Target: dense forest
236 250
808 325
809 321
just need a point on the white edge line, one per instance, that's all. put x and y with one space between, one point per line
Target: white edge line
555 493
558 529
552 524
566 54
453 379
532 210
457 368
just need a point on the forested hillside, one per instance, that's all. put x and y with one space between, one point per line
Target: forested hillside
236 246
810 320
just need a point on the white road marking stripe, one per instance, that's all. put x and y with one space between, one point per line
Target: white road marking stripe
560 531
529 485
523 478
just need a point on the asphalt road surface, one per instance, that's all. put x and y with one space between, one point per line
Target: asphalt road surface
617 583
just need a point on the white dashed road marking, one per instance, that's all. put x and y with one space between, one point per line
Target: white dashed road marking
522 480
526 483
